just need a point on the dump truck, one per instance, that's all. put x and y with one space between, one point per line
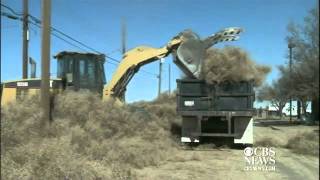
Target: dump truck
216 110
211 110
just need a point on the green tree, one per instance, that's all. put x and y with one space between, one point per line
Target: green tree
275 93
303 81
295 84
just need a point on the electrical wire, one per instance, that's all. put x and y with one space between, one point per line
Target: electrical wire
57 36
37 22
114 51
150 73
10 9
53 34
10 16
62 33
73 39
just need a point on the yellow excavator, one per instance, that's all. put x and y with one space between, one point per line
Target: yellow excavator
77 71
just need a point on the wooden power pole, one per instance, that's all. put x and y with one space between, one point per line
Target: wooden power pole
124 36
45 61
169 79
25 36
123 45
160 76
33 68
290 46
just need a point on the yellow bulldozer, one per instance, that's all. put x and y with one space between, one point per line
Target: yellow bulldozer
77 71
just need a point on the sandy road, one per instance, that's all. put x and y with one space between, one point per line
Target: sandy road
230 163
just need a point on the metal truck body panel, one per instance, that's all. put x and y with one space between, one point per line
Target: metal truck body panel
215 110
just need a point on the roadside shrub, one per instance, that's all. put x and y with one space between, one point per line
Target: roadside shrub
305 143
87 139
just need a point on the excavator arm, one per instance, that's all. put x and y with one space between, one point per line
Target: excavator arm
130 64
187 48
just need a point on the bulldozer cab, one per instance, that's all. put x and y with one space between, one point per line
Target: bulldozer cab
81 70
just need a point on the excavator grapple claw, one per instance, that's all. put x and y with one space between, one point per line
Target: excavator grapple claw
191 52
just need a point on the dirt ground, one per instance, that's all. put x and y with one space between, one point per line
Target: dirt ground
227 163
91 139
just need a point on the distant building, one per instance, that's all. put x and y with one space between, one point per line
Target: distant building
264 109
265 113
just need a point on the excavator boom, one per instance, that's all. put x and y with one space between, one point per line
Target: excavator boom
187 48
130 64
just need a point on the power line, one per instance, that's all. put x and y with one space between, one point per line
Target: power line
58 37
55 35
73 39
37 22
72 44
114 51
10 16
10 9
33 30
68 42
54 29
150 73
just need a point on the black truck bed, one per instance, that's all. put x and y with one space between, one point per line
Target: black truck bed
196 95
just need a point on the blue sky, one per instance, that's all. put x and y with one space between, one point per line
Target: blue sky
153 22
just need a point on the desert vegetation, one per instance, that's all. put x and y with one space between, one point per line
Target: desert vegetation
87 138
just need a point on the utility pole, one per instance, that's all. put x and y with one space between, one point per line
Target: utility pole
124 36
45 61
169 78
33 68
25 36
159 76
299 109
123 45
290 46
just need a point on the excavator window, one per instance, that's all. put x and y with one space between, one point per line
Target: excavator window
82 70
88 75
64 66
101 69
